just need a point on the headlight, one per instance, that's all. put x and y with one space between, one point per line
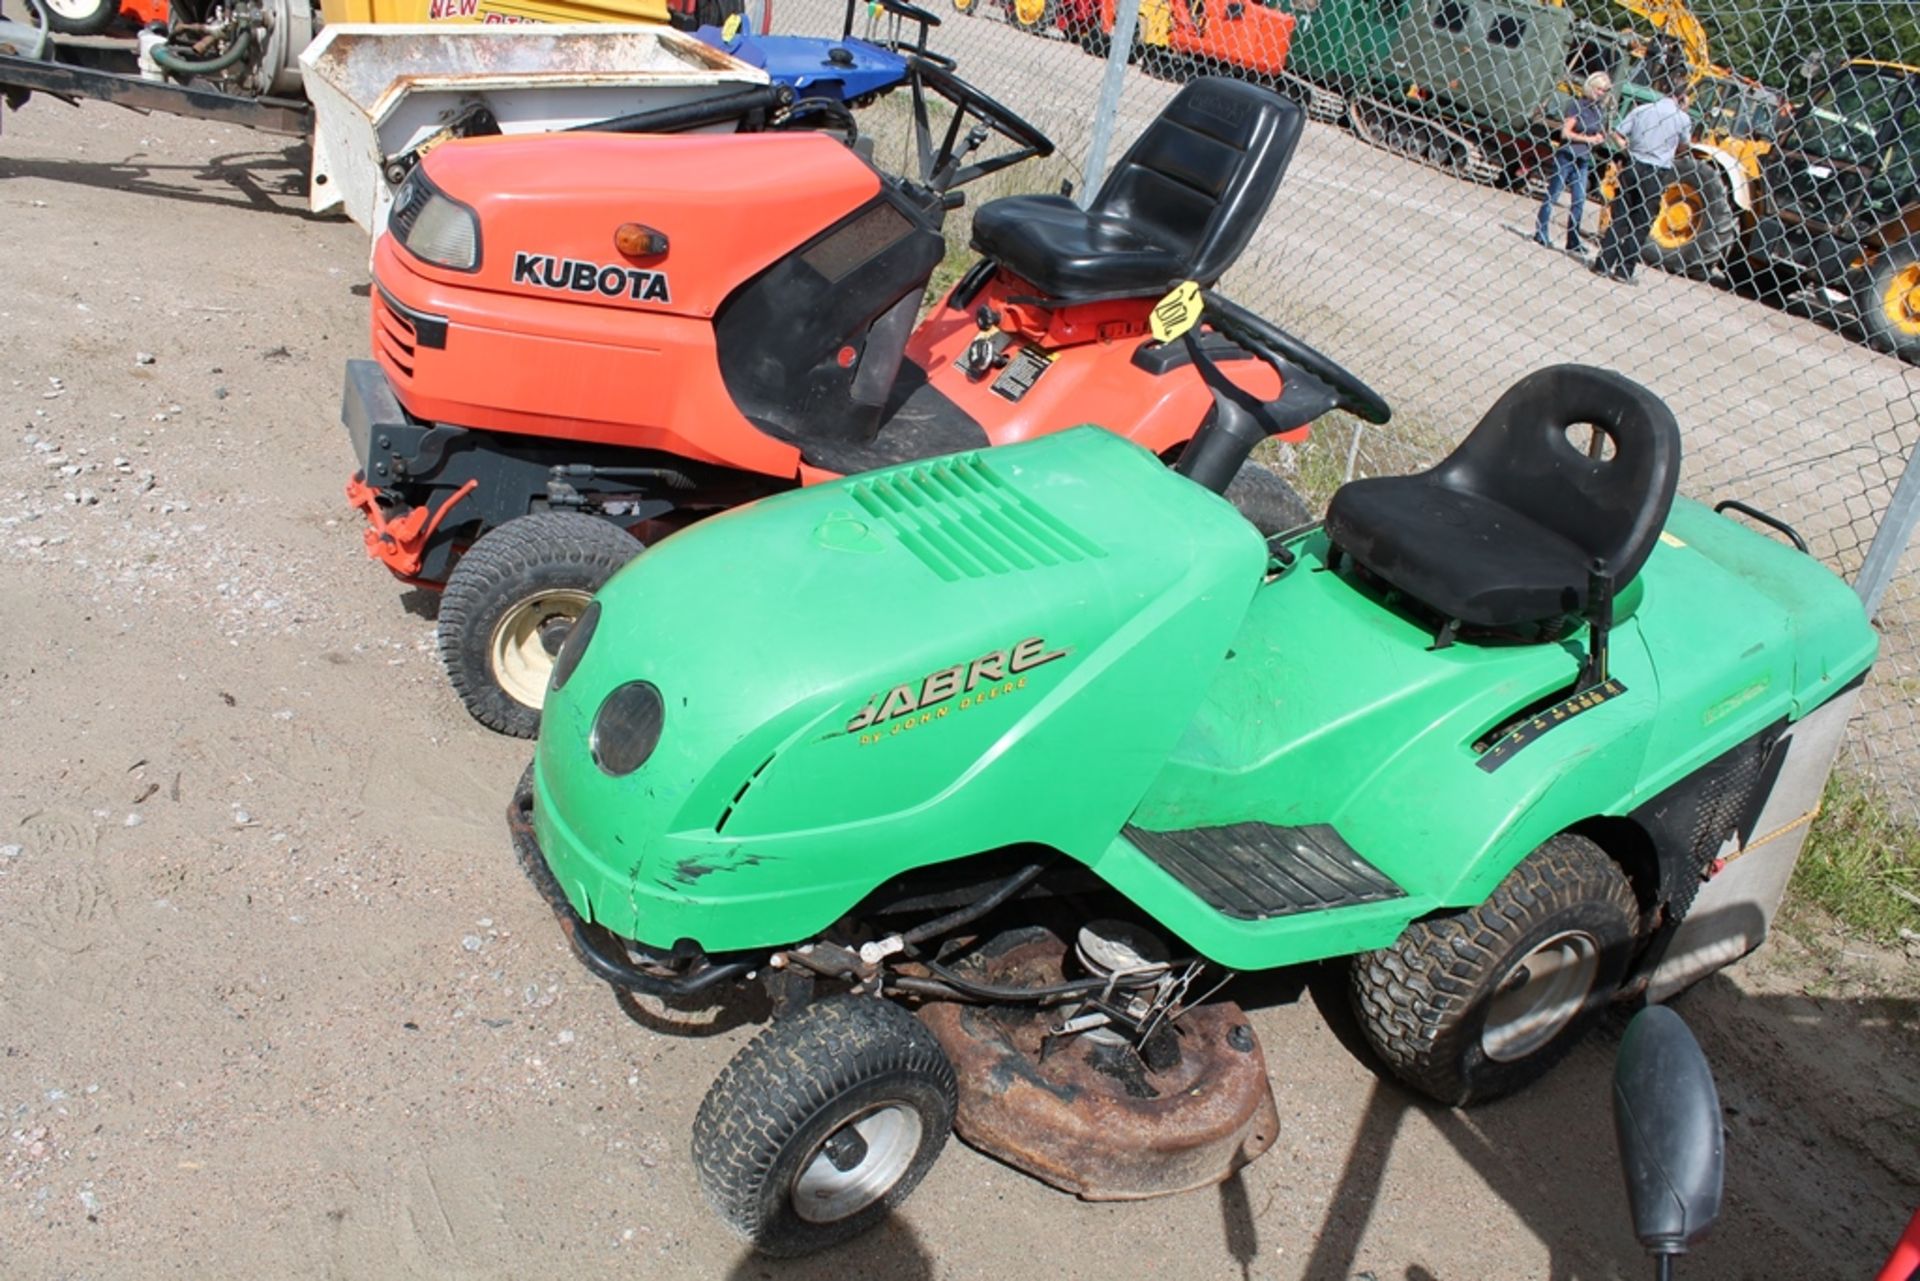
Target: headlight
433 225
574 646
627 728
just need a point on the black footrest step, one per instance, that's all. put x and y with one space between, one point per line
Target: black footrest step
1255 871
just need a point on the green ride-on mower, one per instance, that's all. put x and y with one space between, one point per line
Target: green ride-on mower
995 768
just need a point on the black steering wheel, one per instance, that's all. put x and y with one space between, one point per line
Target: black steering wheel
968 103
1256 333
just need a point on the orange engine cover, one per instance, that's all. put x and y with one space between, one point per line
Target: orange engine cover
559 333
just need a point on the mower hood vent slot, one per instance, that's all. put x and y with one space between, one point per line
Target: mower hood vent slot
962 520
720 824
394 335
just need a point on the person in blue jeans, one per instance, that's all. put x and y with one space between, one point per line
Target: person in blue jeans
1584 123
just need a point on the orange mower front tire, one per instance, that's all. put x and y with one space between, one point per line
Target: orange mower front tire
509 604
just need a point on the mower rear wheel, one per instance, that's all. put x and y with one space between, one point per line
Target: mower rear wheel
1475 1004
1264 497
510 602
823 1123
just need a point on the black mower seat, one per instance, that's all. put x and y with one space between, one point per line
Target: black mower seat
1505 529
1180 205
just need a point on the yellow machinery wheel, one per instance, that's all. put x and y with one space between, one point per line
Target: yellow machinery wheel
1695 222
1889 302
1032 15
1681 211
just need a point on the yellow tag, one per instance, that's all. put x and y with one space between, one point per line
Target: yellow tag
730 28
1178 312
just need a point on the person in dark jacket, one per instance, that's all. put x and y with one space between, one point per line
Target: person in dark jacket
1583 124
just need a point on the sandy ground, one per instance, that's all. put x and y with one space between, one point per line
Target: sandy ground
274 1000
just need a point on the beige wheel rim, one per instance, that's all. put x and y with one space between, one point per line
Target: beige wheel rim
527 639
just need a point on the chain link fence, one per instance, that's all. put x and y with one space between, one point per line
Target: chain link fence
1776 300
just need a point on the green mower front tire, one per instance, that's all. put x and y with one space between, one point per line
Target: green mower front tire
823 1123
1475 1004
510 602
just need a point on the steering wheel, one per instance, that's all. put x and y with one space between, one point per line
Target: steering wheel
968 102
1241 325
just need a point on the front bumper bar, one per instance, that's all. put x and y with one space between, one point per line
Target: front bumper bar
600 951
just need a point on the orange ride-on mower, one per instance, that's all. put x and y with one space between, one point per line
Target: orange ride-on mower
582 339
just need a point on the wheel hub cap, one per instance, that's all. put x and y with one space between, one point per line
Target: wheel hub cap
1680 212
858 1164
1540 995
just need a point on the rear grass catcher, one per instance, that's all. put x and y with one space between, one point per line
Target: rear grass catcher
994 768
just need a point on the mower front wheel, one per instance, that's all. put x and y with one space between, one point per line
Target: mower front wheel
823 1123
1475 1004
510 602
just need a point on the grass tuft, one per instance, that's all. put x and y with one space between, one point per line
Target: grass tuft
1862 864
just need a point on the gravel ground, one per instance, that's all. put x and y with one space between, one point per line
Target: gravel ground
275 1002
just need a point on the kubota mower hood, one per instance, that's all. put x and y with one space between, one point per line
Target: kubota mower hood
928 648
547 210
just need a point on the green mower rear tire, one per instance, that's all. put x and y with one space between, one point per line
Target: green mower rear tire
509 604
1478 1003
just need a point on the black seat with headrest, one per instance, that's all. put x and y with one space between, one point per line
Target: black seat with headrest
1505 529
1180 205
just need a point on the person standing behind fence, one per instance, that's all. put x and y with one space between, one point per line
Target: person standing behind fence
1654 134
1584 124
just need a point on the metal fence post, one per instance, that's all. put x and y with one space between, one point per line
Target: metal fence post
1890 539
1107 109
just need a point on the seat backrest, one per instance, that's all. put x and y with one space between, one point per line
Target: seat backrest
1520 456
1198 180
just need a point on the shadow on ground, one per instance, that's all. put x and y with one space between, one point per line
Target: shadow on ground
271 179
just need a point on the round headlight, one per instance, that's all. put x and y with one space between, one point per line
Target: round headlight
627 728
574 646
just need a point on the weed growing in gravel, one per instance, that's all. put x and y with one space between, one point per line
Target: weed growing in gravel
1861 864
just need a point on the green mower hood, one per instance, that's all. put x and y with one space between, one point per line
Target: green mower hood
1064 644
886 672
